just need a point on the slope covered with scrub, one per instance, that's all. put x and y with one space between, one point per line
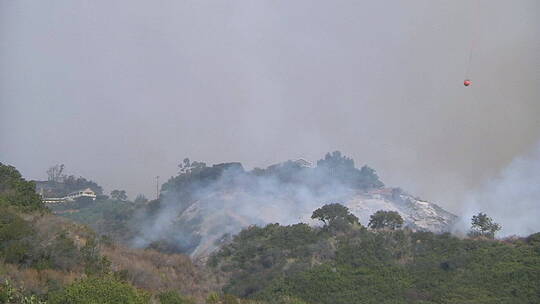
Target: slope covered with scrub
48 258
51 258
355 265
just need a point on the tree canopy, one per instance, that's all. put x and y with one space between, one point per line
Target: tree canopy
119 195
59 184
17 192
385 220
330 214
338 167
483 225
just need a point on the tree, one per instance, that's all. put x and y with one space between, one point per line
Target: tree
483 225
335 162
336 166
187 166
119 195
330 214
385 219
54 173
72 183
368 178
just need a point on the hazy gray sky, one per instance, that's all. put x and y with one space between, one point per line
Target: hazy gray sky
122 91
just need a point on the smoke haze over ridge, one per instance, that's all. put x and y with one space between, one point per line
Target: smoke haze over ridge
512 197
121 92
202 204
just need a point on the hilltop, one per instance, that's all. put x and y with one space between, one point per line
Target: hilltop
203 205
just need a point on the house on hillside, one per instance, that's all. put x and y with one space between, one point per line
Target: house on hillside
87 193
82 193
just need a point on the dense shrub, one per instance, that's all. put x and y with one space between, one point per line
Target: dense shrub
16 192
12 295
104 216
258 255
173 297
99 290
16 237
386 266
42 243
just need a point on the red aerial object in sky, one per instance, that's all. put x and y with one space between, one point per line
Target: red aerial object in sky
474 36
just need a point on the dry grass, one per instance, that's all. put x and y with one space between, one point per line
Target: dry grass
36 281
155 271
147 269
50 225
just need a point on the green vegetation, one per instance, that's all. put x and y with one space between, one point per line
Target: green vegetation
334 168
482 225
385 220
16 236
16 192
60 185
119 195
41 254
21 241
355 265
23 244
335 217
105 216
334 171
99 290
12 295
47 259
329 214
173 297
31 241
71 184
342 169
121 219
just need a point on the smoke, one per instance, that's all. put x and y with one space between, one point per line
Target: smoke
512 198
195 216
197 209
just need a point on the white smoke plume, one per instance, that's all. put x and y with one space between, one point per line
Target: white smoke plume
195 210
197 220
512 198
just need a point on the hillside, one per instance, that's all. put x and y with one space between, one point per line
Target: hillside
45 258
203 205
355 265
